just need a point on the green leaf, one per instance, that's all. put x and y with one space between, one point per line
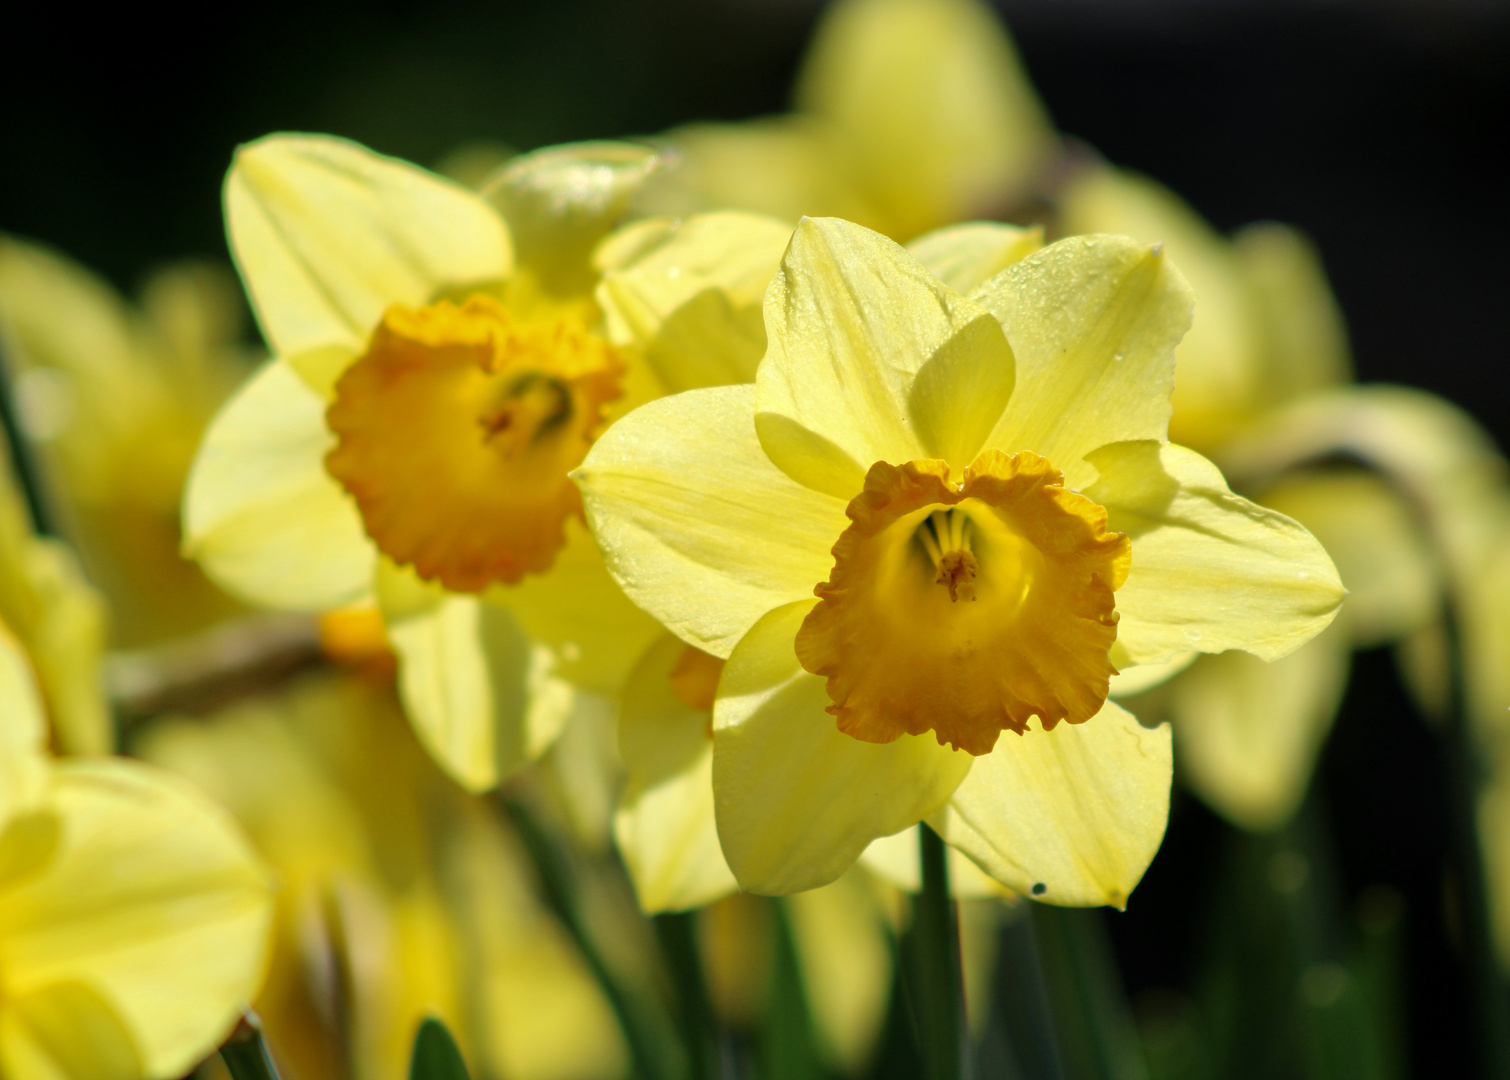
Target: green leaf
435 1054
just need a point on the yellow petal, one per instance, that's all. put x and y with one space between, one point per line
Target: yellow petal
578 610
871 358
327 234
65 1031
1221 361
1211 571
897 860
964 257
697 525
1071 816
1304 336
797 800
784 166
664 824
844 951
1136 678
930 105
1093 323
261 514
23 731
691 302
1248 732
154 901
561 200
1377 544
483 700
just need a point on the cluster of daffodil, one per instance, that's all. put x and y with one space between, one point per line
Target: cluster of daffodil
745 498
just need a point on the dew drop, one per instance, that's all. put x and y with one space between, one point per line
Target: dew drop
1193 635
1039 888
1117 357
1090 243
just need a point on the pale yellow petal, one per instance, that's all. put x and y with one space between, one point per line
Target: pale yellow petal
797 800
871 358
1211 571
579 611
930 107
327 234
664 824
261 514
1304 335
785 166
1247 733
845 954
483 699
154 901
964 257
691 301
1136 678
1221 361
896 859
697 525
561 200
23 731
1071 816
65 1031
1093 322
1376 541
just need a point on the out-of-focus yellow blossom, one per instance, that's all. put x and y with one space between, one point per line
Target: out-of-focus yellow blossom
920 434
439 371
59 620
134 917
402 897
1260 388
113 399
911 115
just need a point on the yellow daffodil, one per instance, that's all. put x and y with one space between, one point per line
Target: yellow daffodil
133 915
910 115
112 399
402 897
984 484
59 620
439 370
1260 388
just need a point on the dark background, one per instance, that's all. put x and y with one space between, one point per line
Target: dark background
1376 127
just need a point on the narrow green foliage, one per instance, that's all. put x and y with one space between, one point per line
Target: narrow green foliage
933 969
245 1053
435 1055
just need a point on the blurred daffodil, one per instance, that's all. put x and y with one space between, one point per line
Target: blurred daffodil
113 399
402 897
438 373
133 915
910 115
59 620
1383 476
919 435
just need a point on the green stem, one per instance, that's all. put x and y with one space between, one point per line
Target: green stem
1465 781
935 971
245 1053
678 937
559 883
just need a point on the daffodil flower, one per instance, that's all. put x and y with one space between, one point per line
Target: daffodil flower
1262 389
910 115
133 915
402 896
978 490
438 372
112 399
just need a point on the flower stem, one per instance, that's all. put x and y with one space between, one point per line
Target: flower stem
938 992
245 1053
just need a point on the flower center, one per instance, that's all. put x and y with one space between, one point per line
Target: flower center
456 431
963 609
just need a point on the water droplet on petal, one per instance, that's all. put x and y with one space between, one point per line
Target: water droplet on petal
1193 635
